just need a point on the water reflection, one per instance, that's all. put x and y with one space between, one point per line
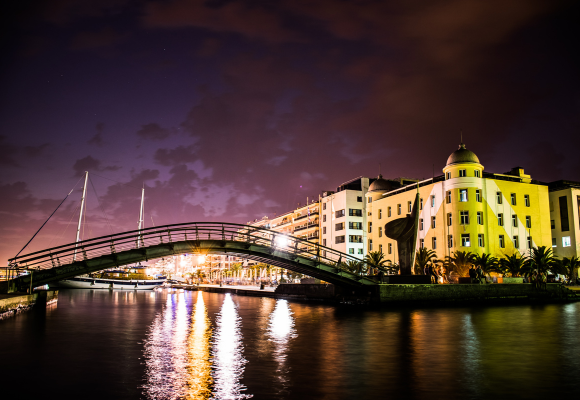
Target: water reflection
199 368
227 351
280 331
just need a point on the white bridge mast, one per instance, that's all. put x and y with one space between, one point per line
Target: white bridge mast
81 213
141 213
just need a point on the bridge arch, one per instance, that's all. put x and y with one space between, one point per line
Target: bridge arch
130 247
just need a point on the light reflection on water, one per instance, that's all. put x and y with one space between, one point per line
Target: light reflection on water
227 350
280 331
199 368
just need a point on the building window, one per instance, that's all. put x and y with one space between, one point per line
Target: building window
434 243
476 173
389 248
465 242
432 201
448 197
420 224
388 211
381 248
355 238
324 230
339 239
339 213
479 218
513 199
530 242
554 242
449 219
499 197
527 200
462 173
450 241
433 222
464 217
564 222
370 244
480 240
351 251
501 242
552 224
528 221
359 199
369 200
324 242
566 241
448 175
380 231
421 243
324 206
324 218
354 212
355 225
478 195
515 221
360 251
380 213
516 242
420 204
463 195
370 227
500 219
409 207
398 209
339 226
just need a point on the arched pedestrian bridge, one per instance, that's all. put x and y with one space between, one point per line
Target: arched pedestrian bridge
259 244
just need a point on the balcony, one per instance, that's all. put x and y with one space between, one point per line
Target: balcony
307 226
312 213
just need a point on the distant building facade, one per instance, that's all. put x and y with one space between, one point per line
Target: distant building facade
565 218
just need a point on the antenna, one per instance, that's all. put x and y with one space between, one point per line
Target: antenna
461 136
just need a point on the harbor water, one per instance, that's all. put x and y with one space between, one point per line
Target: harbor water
172 344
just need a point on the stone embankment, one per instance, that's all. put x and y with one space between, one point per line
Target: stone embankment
12 304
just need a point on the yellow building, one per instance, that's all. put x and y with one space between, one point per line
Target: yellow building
464 209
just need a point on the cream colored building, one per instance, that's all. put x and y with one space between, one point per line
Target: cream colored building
464 209
565 218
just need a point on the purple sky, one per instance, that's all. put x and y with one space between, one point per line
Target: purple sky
232 110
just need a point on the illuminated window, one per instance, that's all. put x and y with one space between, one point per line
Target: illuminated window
566 241
527 200
476 173
448 196
500 219
480 240
499 198
354 212
360 251
380 213
421 243
501 242
420 204
388 211
351 251
478 195
516 242
339 239
369 200
381 248
434 243
432 201
450 241
464 217
463 195
448 175
420 224
398 209
370 227
355 238
409 206
465 242
515 221
513 197
433 222
530 243
449 219
528 221
390 248
355 225
380 231
479 218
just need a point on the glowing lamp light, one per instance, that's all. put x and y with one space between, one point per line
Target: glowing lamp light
281 241
200 259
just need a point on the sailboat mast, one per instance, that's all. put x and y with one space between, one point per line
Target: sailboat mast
81 212
141 212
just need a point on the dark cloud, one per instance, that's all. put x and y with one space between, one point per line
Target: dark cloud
153 131
176 156
97 140
89 163
7 153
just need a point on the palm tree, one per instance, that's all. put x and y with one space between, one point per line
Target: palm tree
423 257
512 264
541 259
376 259
567 267
460 262
487 263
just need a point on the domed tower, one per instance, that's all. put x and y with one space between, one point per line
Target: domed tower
463 163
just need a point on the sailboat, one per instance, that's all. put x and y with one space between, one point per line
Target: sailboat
129 278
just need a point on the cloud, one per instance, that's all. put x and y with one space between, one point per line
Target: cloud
153 131
89 163
97 140
179 155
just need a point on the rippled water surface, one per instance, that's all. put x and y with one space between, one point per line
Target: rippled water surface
194 345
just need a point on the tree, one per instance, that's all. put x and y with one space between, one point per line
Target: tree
487 263
541 259
567 267
512 264
460 261
424 257
355 267
376 259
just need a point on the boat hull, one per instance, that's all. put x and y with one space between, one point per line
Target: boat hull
99 283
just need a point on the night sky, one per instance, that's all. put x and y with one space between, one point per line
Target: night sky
232 110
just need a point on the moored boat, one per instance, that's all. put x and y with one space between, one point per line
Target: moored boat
87 282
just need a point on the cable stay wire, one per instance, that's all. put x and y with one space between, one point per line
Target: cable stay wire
67 225
101 206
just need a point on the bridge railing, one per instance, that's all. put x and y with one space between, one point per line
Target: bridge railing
169 234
